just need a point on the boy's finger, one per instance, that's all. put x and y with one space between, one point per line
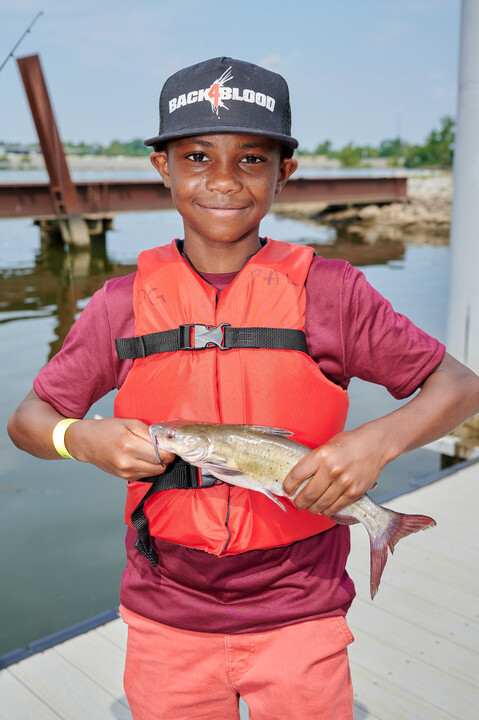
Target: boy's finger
166 457
328 503
314 492
304 469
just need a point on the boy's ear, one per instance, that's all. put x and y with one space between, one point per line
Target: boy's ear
159 160
287 167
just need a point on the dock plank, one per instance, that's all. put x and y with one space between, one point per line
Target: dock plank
116 632
69 692
99 659
410 673
441 592
18 702
439 651
384 700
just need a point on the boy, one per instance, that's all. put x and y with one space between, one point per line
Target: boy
220 599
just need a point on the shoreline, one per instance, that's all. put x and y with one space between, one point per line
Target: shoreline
427 209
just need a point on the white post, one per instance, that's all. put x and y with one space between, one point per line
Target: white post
463 318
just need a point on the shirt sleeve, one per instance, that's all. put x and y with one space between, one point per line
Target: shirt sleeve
355 332
86 368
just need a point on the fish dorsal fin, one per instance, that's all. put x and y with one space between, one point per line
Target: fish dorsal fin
272 431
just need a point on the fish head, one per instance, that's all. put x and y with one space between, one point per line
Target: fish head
188 441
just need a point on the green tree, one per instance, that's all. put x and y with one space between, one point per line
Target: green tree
324 148
350 155
438 150
115 148
390 148
136 148
368 151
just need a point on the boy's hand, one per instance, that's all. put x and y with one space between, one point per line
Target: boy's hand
341 471
347 466
121 447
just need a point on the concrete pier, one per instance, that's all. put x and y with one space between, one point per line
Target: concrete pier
463 318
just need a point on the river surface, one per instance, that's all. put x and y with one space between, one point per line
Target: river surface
61 522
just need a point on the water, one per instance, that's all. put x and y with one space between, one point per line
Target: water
61 522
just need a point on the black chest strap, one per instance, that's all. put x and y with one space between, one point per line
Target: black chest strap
199 337
179 475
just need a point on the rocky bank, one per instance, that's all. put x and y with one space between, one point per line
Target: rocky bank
427 212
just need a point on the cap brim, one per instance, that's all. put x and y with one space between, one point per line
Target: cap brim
207 130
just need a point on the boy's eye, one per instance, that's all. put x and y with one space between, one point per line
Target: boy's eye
197 157
252 159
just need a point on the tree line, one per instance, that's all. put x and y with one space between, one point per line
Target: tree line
436 152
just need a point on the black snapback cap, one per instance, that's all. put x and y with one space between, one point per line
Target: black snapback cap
223 95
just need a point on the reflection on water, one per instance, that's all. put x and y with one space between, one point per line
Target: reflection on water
54 286
61 525
358 252
59 279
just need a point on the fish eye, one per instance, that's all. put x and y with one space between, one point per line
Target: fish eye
171 433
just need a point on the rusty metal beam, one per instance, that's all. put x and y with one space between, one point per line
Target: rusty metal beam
64 198
22 200
345 190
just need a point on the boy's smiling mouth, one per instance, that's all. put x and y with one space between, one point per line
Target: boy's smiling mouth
222 208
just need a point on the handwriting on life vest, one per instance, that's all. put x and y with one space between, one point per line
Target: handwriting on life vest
271 277
267 275
153 296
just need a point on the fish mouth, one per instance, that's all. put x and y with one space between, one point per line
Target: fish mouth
165 437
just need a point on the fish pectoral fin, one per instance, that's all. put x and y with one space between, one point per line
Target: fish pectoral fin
273 498
223 472
273 431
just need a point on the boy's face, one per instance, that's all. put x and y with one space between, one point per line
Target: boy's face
223 185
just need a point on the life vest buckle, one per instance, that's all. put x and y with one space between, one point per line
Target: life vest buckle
198 337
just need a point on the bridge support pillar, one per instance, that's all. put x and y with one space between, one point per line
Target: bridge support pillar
71 224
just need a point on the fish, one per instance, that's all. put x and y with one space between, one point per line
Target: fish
259 458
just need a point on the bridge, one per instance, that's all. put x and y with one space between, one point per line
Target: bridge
98 198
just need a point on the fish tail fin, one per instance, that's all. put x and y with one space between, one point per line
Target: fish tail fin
399 526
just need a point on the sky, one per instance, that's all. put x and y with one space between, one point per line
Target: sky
358 70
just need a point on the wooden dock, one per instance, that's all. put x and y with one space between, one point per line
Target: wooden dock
416 649
416 655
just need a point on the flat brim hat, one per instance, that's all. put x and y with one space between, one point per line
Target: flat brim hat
223 95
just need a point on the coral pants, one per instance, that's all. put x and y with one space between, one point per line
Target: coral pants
298 672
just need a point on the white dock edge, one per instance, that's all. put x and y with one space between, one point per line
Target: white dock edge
453 446
416 655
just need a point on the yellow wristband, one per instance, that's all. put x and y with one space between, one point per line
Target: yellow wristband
58 437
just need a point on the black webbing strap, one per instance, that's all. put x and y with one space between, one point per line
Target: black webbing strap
178 475
198 337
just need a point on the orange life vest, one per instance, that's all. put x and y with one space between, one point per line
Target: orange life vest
275 388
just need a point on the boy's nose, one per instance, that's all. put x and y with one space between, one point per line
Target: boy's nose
223 179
